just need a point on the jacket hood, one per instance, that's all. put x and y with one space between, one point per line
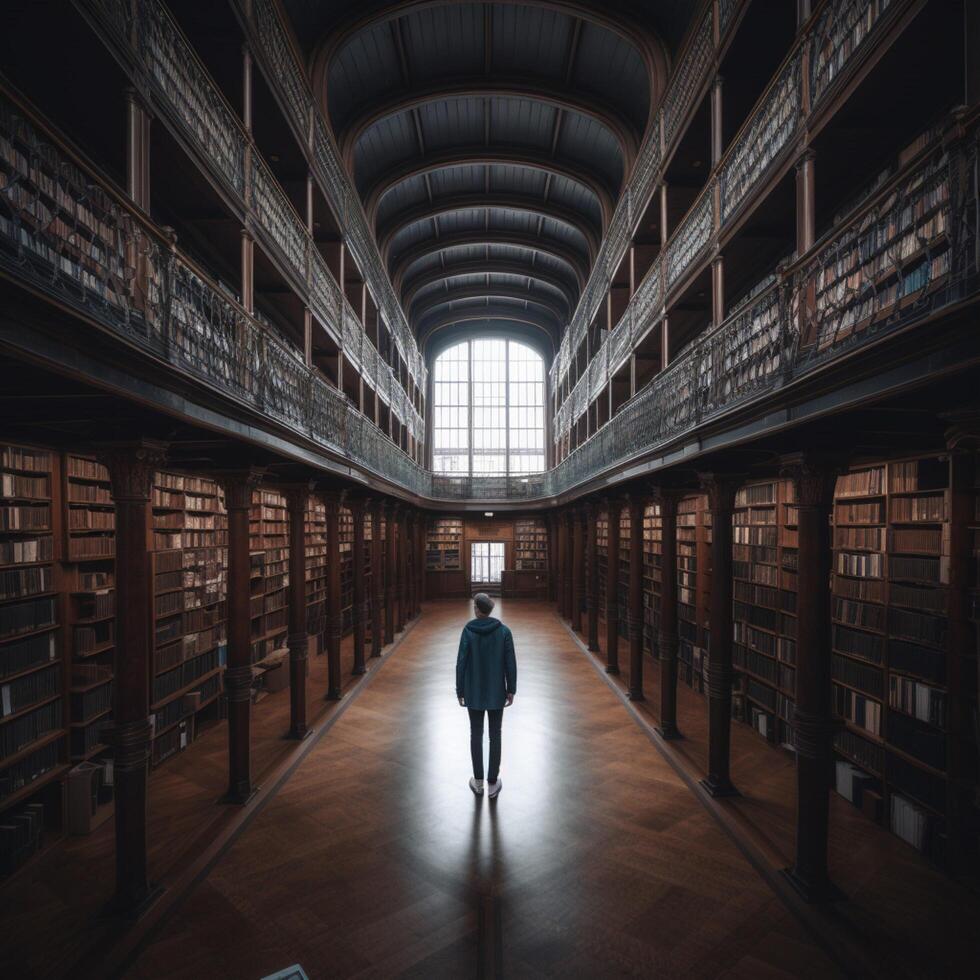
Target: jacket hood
482 626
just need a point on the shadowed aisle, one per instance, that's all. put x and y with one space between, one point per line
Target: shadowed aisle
375 859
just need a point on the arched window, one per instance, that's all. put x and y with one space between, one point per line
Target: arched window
488 409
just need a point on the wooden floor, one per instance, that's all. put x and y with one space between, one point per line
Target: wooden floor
375 859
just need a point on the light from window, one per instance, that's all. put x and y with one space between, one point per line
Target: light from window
488 409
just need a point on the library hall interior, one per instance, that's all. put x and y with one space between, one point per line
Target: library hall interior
489 489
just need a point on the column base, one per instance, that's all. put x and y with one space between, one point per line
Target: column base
612 668
333 696
594 648
239 796
297 734
121 908
668 733
719 788
821 892
636 696
359 669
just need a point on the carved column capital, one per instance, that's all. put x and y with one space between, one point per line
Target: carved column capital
238 486
721 489
132 466
297 495
666 499
356 505
333 500
814 477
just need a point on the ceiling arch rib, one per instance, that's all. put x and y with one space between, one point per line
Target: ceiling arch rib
648 46
489 312
534 90
508 202
492 291
486 267
486 156
403 262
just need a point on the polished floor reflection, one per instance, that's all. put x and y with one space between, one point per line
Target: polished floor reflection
376 860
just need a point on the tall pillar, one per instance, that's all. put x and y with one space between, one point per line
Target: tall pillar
297 498
813 722
721 501
805 202
717 290
552 557
592 574
562 569
578 568
333 500
248 281
613 509
635 619
238 486
137 150
667 639
131 467
569 567
717 136
359 610
377 578
391 587
411 579
402 567
420 524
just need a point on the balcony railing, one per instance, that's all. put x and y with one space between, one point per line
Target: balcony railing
905 253
163 65
840 30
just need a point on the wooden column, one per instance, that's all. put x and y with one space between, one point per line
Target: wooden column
377 578
402 567
297 498
721 501
391 588
717 289
561 570
578 568
635 620
420 524
717 136
411 579
613 509
667 639
333 499
813 721
137 150
569 566
805 202
238 486
592 574
248 281
131 467
552 557
359 610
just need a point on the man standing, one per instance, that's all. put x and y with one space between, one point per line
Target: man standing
486 681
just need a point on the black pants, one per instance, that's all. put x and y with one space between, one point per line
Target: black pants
476 742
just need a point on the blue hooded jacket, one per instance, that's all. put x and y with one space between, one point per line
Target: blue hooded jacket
486 668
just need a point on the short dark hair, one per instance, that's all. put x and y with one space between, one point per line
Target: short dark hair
484 603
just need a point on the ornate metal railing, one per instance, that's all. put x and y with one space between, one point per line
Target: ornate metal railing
163 65
271 44
905 253
840 32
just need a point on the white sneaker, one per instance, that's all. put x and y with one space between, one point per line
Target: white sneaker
495 788
476 785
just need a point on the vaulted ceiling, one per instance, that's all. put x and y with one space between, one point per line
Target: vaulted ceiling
489 141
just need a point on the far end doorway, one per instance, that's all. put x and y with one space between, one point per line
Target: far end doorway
486 563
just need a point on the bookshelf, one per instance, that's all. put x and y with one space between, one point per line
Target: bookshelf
623 581
190 561
764 609
34 712
602 563
442 544
346 558
691 564
652 570
891 657
316 573
268 585
530 545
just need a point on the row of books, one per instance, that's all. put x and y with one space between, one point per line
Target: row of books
26 460
25 517
29 487
166 684
21 832
863 711
16 695
23 582
21 730
26 550
25 617
28 653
